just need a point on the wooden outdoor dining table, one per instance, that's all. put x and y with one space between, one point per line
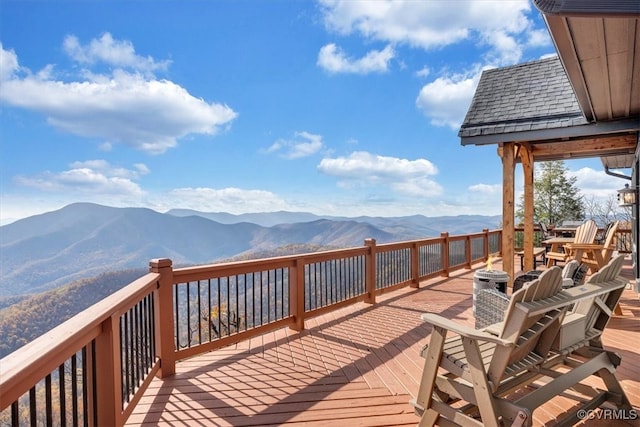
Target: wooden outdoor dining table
557 242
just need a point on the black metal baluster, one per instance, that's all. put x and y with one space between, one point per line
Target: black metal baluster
245 300
152 329
176 315
33 406
134 349
315 285
140 340
74 390
188 309
307 285
131 354
94 376
124 343
209 308
15 414
146 360
219 309
237 319
199 313
228 304
253 297
48 401
281 281
269 311
332 281
85 391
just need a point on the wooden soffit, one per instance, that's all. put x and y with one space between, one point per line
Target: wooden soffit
598 42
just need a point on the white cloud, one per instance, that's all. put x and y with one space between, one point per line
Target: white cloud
486 188
431 24
549 55
304 144
407 177
447 99
507 49
232 200
423 72
119 53
117 108
596 183
539 37
8 63
502 28
334 60
94 177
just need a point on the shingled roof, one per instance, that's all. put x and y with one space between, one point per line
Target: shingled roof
530 98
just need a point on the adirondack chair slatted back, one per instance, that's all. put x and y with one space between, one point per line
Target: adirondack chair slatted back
608 241
598 310
586 232
532 334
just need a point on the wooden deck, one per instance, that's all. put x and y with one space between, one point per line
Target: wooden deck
358 366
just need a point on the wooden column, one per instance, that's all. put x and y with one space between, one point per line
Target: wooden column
507 152
526 156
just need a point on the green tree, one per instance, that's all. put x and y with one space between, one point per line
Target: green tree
555 195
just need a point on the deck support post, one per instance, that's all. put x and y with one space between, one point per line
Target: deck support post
526 156
507 153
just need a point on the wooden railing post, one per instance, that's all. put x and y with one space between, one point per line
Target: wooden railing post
444 254
164 322
415 265
485 251
108 368
370 272
296 295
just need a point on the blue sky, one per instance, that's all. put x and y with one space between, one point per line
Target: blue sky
331 107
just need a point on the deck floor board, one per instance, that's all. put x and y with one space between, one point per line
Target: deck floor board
357 366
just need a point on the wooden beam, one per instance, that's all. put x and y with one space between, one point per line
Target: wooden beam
508 167
526 157
587 147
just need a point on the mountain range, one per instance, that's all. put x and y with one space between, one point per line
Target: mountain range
83 240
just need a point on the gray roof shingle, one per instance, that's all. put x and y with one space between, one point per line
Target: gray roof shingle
535 95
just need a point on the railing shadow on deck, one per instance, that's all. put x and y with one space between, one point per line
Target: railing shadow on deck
355 322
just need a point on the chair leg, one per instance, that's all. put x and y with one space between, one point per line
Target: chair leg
429 373
481 387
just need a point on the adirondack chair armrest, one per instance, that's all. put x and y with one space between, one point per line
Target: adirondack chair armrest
464 331
591 246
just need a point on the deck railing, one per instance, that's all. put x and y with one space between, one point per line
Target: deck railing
92 369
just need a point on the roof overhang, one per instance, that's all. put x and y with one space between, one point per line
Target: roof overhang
591 130
618 162
598 43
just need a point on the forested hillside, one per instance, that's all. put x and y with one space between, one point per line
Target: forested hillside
35 315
